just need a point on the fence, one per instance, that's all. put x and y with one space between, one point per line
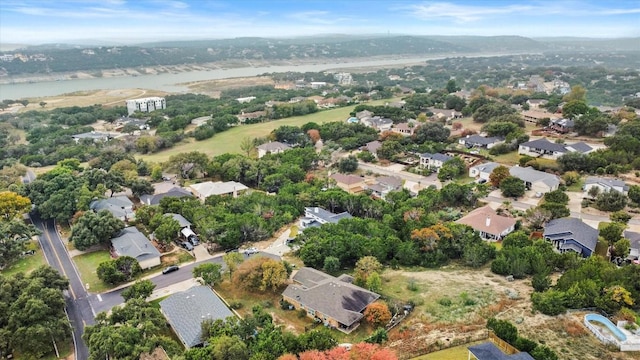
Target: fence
502 345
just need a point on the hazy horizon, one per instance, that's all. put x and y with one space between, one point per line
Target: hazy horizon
30 22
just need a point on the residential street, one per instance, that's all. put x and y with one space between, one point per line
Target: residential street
78 307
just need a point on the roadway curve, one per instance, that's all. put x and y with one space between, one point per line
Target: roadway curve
79 309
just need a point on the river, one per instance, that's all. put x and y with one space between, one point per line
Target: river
174 82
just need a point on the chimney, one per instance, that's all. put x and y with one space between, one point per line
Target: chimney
316 209
488 221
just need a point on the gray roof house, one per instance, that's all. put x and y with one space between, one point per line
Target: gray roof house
385 185
372 147
120 206
209 188
184 223
93 135
634 240
489 351
545 148
605 184
378 123
571 234
186 310
478 141
131 242
483 171
272 147
334 301
316 216
155 198
433 161
538 181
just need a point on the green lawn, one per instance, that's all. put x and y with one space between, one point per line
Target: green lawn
28 263
508 158
577 186
87 265
453 353
229 141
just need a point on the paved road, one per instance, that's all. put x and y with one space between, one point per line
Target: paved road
108 300
78 306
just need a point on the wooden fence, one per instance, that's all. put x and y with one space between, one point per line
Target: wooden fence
502 345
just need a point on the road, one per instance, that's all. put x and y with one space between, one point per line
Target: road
106 301
78 307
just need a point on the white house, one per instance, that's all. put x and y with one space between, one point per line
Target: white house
483 171
538 181
316 216
146 104
605 184
209 188
272 147
433 161
477 141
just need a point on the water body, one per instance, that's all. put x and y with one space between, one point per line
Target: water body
170 82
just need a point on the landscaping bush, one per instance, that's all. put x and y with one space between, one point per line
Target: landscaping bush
445 302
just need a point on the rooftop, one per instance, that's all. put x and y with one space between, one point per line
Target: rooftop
119 206
274 146
186 310
572 228
531 175
210 188
488 351
606 182
486 167
347 179
131 242
326 215
481 140
485 219
180 219
437 157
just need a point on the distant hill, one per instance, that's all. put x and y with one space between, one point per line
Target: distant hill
53 58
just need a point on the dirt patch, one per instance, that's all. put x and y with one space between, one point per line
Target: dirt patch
88 98
214 88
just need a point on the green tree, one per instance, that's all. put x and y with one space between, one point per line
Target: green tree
452 169
120 270
517 239
14 235
232 260
229 348
542 352
94 228
577 93
503 329
634 193
167 230
557 196
139 290
366 266
611 201
621 248
210 273
331 264
551 302
451 86
348 164
620 216
141 187
374 282
431 132
513 187
541 282
612 232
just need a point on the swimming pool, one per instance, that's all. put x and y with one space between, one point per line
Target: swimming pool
620 336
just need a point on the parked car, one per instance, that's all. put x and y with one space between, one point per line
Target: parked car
194 240
251 251
170 269
187 245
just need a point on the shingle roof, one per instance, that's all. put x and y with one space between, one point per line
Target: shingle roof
572 228
546 145
634 242
119 206
488 351
326 215
274 146
481 140
486 167
186 310
529 174
131 242
347 179
155 199
373 146
606 182
477 219
580 147
391 181
210 188
328 295
180 219
437 156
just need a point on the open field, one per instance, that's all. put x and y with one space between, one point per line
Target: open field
453 353
229 141
87 265
213 88
92 97
28 263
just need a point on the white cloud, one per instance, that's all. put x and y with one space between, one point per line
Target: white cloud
462 13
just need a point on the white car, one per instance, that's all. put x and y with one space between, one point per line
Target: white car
251 251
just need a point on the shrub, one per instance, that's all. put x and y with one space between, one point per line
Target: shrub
503 329
236 304
524 344
445 301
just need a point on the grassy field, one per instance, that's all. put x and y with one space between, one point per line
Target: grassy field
87 265
27 263
229 141
91 97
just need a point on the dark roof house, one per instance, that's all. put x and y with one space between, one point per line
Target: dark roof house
488 351
155 198
186 310
131 242
634 241
333 301
120 206
571 234
316 216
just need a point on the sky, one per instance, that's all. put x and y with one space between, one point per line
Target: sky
131 21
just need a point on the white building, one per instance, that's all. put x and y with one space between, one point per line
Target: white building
146 104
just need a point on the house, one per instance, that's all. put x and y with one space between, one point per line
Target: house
488 223
171 191
350 183
140 124
404 129
489 351
571 234
364 114
634 241
209 188
535 116
120 206
247 99
483 171
379 123
561 125
477 141
146 104
445 114
535 104
336 302
316 216
131 242
372 147
433 161
545 148
96 136
185 226
538 181
384 185
244 116
272 147
605 184
186 310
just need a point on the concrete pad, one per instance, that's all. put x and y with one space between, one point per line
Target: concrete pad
172 289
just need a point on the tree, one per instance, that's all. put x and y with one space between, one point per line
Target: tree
374 282
511 186
542 352
260 273
94 228
570 177
611 201
365 267
210 273
517 239
451 86
634 193
120 270
12 204
612 232
432 132
537 217
377 314
550 302
621 248
557 210
557 196
540 282
577 93
232 260
247 145
574 108
14 235
274 275
331 264
620 216
451 169
43 104
139 290
229 348
141 187
503 329
167 230
348 164
498 174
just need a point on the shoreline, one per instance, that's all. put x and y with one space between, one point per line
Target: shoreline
338 64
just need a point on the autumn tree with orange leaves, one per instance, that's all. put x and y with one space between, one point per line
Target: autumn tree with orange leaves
377 314
361 351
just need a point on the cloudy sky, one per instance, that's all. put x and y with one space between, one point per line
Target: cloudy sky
129 21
